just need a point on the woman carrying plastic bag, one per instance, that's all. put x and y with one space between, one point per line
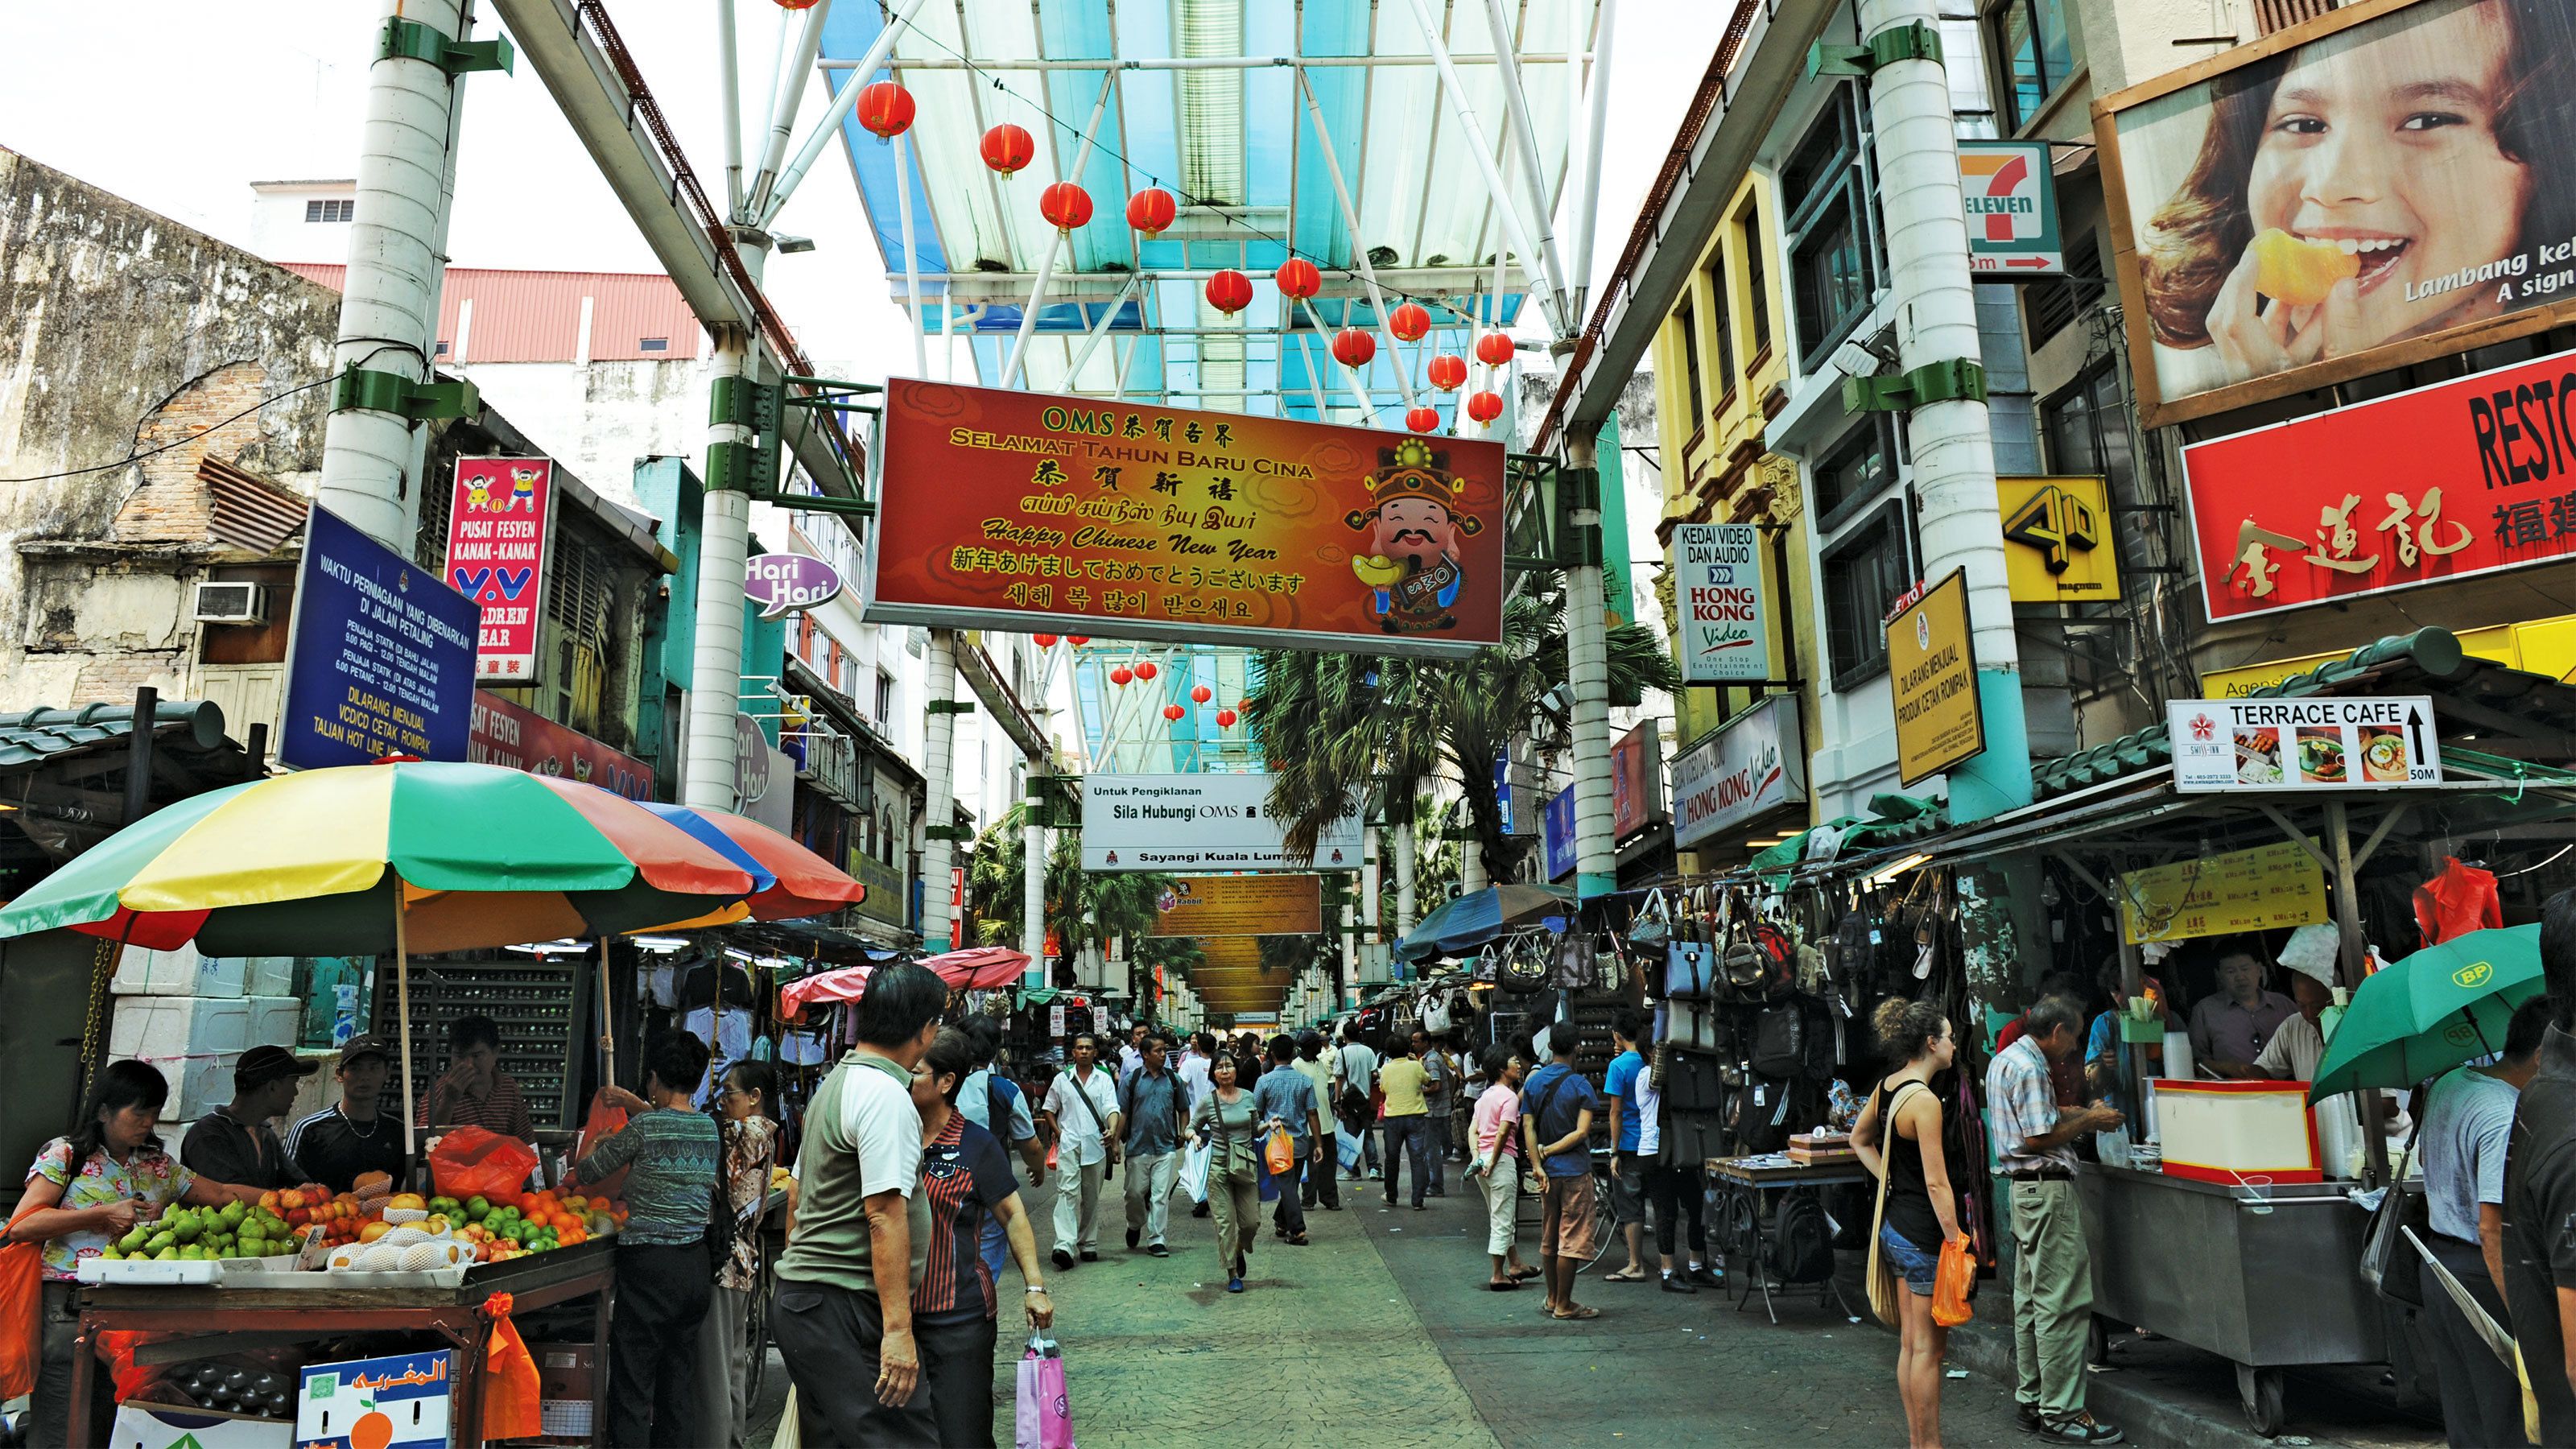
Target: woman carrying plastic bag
1045 1419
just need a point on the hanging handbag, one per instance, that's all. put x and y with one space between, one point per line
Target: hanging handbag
1653 925
1687 968
1884 1302
1573 962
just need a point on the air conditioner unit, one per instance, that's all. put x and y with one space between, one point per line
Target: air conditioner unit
231 603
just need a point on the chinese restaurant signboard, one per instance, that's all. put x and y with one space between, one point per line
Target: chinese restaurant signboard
2264 889
2309 743
1933 665
2259 255
1023 511
2460 478
497 528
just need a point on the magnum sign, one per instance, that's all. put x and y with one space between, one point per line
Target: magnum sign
1721 595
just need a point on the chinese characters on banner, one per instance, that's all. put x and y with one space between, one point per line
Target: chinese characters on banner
496 556
2460 478
1018 511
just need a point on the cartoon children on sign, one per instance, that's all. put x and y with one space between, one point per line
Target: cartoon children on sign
1415 533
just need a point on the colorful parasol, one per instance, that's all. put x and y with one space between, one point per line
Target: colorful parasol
979 968
794 881
824 988
2418 1018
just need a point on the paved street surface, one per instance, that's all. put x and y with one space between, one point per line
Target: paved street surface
1381 1333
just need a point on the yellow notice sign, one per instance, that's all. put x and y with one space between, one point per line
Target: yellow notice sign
1242 905
1933 667
2263 889
2058 547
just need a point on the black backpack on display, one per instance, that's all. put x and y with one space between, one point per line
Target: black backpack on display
1780 1041
1800 1248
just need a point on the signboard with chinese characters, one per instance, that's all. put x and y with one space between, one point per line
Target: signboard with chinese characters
379 656
1557 834
2380 743
1723 600
498 526
2011 198
2058 547
1932 665
1198 822
2460 478
2267 888
1021 511
1636 780
1241 905
514 738
1755 761
2242 279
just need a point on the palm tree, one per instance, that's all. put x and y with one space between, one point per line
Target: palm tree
1080 905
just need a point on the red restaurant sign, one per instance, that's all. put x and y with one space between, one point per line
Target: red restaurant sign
496 556
517 739
2460 478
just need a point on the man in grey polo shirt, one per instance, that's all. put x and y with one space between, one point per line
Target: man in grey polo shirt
1150 1101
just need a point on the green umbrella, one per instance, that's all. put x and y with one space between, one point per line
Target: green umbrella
2438 1008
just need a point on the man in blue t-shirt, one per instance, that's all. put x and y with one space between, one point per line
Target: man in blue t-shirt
1556 1132
1627 1173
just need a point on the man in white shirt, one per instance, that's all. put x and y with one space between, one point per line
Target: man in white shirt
1354 1079
1132 1054
2298 1044
1083 1104
1193 1070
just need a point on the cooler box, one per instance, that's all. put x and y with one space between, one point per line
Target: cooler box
275 1020
165 1426
179 972
401 1402
268 976
2225 1132
199 1083
177 1026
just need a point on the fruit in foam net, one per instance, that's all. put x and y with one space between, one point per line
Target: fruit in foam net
2299 273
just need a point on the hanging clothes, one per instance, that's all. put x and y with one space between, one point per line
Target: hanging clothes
2457 900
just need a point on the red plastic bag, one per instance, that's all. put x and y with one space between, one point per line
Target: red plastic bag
510 1392
603 1122
1952 1281
475 1162
22 1311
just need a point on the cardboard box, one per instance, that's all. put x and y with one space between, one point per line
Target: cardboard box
167 1426
412 1390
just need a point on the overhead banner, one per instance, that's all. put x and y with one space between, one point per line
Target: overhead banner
1636 780
2260 256
1198 822
1022 511
2057 542
2010 192
2379 743
498 524
1756 761
1241 905
379 656
1723 598
1932 664
2268 888
515 738
2461 478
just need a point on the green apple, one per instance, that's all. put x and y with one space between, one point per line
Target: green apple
478 1208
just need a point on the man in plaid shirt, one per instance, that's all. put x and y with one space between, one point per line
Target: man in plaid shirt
2034 1142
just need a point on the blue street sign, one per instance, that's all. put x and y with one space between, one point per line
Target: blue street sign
1559 833
1503 791
379 656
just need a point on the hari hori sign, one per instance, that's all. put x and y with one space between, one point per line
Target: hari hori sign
789 583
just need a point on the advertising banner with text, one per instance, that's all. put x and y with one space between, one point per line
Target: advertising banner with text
1021 511
1198 822
515 738
379 656
1241 905
1755 761
497 530
1721 595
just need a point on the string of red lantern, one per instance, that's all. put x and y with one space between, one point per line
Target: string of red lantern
1298 279
1448 372
1008 148
1202 693
1225 719
1151 211
1353 348
1484 407
1229 291
1494 349
1065 206
1422 420
1409 323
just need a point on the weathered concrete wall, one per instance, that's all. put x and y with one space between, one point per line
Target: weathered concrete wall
605 417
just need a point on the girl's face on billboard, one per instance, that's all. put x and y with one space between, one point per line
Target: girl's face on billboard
2387 149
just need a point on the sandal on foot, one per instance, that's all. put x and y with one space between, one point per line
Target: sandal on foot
1505 1286
1524 1273
1580 1311
1624 1276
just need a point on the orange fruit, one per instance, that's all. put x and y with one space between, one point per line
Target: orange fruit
2299 273
372 1431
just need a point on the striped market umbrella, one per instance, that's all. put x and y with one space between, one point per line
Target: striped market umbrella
793 881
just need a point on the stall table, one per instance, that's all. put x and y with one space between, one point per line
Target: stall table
2202 1264
1775 1172
212 1314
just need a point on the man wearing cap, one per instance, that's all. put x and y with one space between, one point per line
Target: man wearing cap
233 1143
333 1146
2299 1043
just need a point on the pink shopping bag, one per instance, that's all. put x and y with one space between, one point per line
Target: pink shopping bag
1045 1415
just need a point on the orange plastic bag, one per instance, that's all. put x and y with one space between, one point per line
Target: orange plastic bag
1280 1152
1951 1283
510 1406
603 1122
22 1311
475 1162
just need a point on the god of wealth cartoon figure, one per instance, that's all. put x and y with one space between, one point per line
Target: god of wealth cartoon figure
1414 535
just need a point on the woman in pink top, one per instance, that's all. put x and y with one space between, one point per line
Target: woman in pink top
1495 1131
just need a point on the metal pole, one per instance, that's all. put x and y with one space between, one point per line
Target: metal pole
1516 106
1596 858
1406 863
1314 379
939 778
1483 151
1587 209
729 97
389 295
402 1028
710 769
1099 330
2356 964
911 259
1033 847
1184 62
1359 248
782 120
1056 241
838 113
1350 374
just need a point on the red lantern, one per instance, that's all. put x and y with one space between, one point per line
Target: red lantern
1065 206
1484 407
1173 712
1202 693
1229 291
1146 670
885 108
1044 641
1298 279
1151 210
1007 148
1225 719
1423 420
1077 640
1119 676
797 4
1448 372
1409 323
1353 348
1494 349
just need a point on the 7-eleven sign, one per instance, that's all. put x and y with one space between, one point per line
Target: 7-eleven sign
2011 200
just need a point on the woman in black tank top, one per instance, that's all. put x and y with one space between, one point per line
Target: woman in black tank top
1899 1137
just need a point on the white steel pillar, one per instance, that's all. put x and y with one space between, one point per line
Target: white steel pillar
724 544
1596 858
939 789
1405 860
389 298
1471 867
1033 844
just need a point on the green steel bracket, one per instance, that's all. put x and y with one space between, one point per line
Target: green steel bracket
1955 380
1583 546
1582 489
817 503
1918 41
743 403
949 706
736 467
959 833
364 389
410 40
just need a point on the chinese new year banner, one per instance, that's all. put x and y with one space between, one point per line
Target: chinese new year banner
2463 477
496 556
1017 510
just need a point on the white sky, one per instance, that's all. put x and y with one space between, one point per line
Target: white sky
180 106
